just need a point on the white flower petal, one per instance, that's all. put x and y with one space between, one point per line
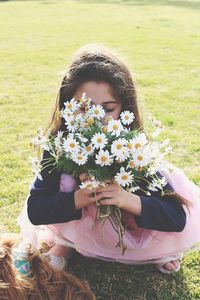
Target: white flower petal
127 117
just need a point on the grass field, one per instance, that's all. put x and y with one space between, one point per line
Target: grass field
160 42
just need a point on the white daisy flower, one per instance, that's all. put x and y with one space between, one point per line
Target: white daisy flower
141 158
97 111
127 117
80 137
163 181
115 127
71 105
66 114
40 142
156 132
122 155
89 149
148 193
123 178
157 184
80 119
131 164
36 167
152 170
71 124
133 189
103 158
71 145
137 142
89 184
118 146
152 187
59 134
99 140
58 140
79 158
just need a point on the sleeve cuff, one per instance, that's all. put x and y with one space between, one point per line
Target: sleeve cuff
70 210
146 213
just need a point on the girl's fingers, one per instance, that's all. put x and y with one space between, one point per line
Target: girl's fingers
109 188
110 201
109 181
90 191
109 194
93 199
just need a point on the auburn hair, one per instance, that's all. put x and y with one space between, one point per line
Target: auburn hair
100 64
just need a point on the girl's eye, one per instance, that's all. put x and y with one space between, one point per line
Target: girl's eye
108 110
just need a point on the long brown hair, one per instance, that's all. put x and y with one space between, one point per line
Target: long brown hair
98 63
43 282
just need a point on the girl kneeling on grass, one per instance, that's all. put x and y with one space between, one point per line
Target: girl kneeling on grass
158 228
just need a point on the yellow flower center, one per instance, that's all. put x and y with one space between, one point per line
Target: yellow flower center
140 157
69 105
138 145
115 127
129 145
89 186
99 140
96 112
126 117
103 158
124 177
119 146
79 157
72 145
88 148
104 129
90 121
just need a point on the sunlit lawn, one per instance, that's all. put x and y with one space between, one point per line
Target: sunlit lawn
160 42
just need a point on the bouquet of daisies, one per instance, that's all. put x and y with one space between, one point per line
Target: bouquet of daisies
105 149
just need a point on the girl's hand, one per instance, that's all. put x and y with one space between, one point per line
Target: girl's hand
85 197
114 194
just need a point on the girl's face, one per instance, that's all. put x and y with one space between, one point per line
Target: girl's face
100 93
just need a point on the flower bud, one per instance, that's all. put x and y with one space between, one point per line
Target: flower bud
90 121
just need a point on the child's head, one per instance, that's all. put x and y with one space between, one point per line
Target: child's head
104 77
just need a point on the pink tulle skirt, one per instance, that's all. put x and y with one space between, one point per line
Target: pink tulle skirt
99 241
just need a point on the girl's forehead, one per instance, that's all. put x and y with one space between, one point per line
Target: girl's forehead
99 92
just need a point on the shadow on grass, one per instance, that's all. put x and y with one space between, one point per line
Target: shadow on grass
41 1
115 281
193 4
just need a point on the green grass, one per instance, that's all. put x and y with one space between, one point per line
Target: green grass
160 42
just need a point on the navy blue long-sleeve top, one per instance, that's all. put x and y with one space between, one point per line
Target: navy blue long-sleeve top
48 205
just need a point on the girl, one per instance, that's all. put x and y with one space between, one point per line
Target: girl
158 228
